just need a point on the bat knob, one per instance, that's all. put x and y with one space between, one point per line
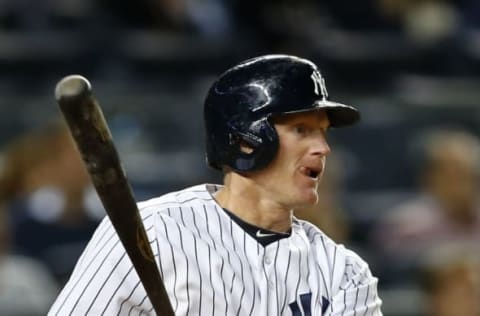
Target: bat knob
72 86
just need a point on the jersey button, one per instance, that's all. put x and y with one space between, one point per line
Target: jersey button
268 260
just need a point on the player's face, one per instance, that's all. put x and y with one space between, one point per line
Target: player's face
292 178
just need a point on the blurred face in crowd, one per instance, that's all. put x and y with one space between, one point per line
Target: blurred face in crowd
292 177
62 168
452 176
455 292
46 161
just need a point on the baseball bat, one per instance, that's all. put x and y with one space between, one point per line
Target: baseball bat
92 136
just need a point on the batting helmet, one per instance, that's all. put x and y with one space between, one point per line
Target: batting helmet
241 102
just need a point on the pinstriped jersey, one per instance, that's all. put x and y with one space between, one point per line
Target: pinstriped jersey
211 266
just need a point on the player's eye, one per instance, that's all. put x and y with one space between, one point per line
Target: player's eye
300 129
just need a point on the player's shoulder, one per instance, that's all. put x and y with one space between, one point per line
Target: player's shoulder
342 266
190 197
327 248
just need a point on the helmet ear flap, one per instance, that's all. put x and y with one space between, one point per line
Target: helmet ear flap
254 148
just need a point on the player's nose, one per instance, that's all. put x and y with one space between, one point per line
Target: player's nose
319 145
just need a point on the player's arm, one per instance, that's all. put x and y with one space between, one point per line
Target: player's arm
357 292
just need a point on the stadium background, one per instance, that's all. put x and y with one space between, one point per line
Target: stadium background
409 66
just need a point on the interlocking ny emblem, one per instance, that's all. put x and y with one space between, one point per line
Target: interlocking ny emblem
319 84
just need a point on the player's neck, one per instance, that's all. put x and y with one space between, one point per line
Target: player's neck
253 205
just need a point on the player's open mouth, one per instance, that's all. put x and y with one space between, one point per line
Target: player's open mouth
313 174
310 172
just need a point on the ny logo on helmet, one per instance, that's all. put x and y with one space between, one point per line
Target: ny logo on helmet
319 84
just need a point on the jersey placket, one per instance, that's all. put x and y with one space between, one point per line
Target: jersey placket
264 281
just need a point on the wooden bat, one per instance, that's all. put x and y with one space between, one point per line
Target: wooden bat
92 136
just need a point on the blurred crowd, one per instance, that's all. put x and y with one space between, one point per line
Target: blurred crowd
231 16
48 210
402 188
272 22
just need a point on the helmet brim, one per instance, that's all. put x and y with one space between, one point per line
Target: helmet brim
339 115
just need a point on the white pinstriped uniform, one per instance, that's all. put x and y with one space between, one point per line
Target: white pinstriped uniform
211 266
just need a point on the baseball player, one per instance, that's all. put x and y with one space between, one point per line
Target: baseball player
236 248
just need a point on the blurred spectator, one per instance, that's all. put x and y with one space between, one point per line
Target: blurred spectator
329 213
451 284
26 286
208 17
49 196
424 21
446 210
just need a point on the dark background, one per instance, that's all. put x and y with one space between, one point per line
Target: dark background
407 68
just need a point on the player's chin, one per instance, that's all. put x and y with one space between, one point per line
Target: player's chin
308 198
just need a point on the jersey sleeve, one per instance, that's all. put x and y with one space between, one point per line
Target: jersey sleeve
104 281
357 290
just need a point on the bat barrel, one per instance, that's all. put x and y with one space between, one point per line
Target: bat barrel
92 136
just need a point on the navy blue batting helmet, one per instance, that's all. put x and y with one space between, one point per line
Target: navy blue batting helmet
241 102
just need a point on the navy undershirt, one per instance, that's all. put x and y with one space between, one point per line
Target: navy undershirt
263 236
